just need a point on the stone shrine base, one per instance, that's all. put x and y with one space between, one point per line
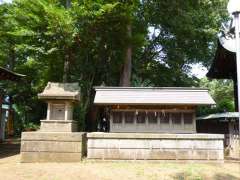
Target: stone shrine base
52 146
146 146
71 146
58 126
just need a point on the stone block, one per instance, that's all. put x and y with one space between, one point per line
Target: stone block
31 157
103 143
200 154
58 126
182 154
154 146
95 153
134 144
133 154
53 136
162 154
216 155
52 147
154 136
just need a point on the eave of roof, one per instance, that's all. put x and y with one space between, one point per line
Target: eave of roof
150 88
9 75
59 97
219 116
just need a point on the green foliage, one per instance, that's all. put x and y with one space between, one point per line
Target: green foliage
184 32
36 38
31 127
222 92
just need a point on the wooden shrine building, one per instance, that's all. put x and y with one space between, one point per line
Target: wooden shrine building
152 123
147 109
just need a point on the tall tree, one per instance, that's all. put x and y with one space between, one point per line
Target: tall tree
67 51
182 33
151 43
131 8
125 79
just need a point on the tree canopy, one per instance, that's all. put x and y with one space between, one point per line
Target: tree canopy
94 42
222 92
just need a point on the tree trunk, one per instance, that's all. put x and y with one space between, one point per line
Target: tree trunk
68 4
125 79
66 68
66 56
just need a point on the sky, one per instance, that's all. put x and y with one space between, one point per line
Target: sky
197 69
7 1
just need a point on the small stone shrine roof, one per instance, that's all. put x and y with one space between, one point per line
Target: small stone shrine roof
61 91
152 96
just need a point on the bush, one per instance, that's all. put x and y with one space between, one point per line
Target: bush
31 127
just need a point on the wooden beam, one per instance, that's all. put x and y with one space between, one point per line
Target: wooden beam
149 107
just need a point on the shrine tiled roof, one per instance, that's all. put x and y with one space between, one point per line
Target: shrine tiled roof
152 96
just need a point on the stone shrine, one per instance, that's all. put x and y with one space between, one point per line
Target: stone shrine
60 99
57 139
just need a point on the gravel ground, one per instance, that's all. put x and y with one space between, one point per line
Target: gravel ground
11 169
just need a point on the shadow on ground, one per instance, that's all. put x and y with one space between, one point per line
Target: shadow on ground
223 176
218 176
9 148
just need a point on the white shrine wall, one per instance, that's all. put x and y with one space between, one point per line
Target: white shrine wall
171 121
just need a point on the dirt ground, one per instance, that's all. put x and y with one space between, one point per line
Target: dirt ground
11 169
